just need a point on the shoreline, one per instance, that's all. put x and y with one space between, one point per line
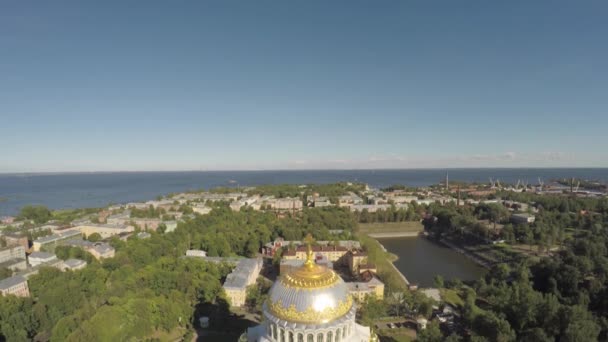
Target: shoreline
391 262
467 254
393 235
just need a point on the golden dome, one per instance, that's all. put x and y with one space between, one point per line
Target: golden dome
311 294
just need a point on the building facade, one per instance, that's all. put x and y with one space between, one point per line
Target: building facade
16 286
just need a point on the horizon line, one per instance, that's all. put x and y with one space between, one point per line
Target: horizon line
312 169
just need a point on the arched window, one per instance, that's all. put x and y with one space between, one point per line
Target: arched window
291 337
344 332
330 337
282 333
273 331
320 337
300 337
310 338
338 335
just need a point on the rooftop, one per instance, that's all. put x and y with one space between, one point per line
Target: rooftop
240 275
58 236
71 263
7 283
41 255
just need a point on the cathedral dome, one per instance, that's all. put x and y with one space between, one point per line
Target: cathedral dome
311 294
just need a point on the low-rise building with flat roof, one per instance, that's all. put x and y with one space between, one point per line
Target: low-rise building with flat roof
369 285
245 274
16 286
171 225
37 258
73 265
12 252
99 250
201 209
16 264
105 230
196 253
522 218
48 243
102 250
16 239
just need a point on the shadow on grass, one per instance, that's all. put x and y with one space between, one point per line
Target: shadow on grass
223 324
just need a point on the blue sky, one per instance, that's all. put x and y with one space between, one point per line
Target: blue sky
119 85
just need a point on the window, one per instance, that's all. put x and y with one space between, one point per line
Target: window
330 337
310 338
282 331
300 337
291 336
344 332
271 331
338 335
320 337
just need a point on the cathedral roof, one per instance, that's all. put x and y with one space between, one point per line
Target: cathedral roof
311 294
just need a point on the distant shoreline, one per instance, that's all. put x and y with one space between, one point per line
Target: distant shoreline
393 235
21 173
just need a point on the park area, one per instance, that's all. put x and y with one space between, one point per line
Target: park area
391 229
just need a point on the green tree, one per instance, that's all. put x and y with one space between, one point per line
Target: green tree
432 333
94 237
38 213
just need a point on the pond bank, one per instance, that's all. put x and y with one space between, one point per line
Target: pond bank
422 260
393 234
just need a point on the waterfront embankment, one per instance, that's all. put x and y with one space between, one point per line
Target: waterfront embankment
393 235
421 260
384 260
469 255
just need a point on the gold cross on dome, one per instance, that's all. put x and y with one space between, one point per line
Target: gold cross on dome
309 239
309 263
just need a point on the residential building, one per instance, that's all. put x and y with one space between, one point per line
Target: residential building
48 243
288 265
522 218
15 264
7 219
162 204
137 205
245 274
102 250
372 208
16 286
120 218
13 258
171 225
286 203
16 239
355 259
37 258
147 223
143 235
332 253
73 265
30 271
13 252
196 253
105 230
369 285
271 247
348 200
201 209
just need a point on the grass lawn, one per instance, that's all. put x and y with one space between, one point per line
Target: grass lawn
394 337
383 261
391 227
